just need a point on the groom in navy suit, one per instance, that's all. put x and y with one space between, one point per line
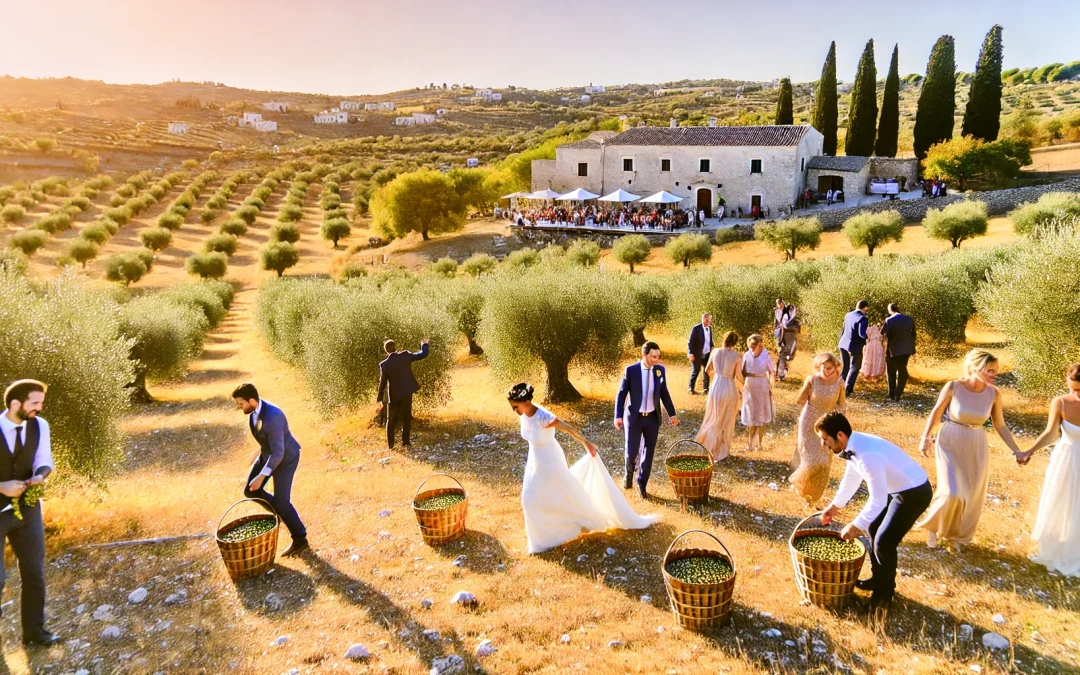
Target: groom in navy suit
645 383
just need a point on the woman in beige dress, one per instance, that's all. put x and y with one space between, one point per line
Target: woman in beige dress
821 393
961 452
873 365
757 405
722 406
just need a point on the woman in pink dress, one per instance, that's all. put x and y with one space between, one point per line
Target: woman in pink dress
722 407
873 365
757 407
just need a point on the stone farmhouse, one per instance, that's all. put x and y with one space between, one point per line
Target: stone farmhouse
178 128
351 105
417 118
266 125
332 116
276 106
249 119
765 165
594 89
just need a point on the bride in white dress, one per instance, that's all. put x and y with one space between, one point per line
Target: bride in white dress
560 501
1057 527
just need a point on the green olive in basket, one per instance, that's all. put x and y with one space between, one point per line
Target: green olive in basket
249 530
700 570
440 502
828 548
688 463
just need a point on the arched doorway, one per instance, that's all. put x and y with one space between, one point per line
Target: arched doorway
705 201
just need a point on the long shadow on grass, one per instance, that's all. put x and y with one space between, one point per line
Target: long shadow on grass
182 449
479 552
293 589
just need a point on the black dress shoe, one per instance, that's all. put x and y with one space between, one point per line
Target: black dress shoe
643 493
42 638
627 482
296 548
865 584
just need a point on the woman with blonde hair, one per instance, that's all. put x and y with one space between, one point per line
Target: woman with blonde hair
757 406
962 456
718 426
821 393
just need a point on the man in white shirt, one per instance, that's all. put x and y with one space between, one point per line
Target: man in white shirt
25 460
899 493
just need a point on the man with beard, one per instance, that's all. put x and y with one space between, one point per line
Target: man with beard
25 460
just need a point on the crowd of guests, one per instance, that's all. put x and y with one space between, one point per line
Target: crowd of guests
635 218
934 188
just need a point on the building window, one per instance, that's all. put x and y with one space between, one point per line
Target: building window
802 166
628 164
665 165
703 166
755 166
583 169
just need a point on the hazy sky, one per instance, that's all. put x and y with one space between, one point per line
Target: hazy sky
359 46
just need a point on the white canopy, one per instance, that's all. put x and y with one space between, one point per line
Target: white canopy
515 195
578 195
662 197
542 194
620 196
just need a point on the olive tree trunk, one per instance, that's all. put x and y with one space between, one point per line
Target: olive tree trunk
559 387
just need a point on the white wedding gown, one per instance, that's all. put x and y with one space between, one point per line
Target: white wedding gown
559 502
1057 527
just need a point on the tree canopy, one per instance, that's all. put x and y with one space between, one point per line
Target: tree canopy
862 112
826 109
784 111
873 230
982 117
423 201
888 133
790 236
937 100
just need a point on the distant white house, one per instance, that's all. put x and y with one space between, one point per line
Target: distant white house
178 128
423 118
276 106
441 111
594 89
496 96
405 121
249 119
585 98
483 92
351 105
386 105
332 116
472 162
266 125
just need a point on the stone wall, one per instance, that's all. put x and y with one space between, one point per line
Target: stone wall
543 173
891 167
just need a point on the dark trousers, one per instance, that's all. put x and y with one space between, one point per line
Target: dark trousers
896 373
281 501
27 539
887 531
698 366
399 412
647 428
852 361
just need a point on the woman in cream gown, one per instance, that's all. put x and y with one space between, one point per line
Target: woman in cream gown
822 392
963 469
1057 527
722 407
560 501
873 365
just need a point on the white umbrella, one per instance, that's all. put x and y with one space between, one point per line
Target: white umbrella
662 197
542 194
515 195
620 196
578 195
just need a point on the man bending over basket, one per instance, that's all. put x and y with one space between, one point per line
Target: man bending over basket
899 493
279 455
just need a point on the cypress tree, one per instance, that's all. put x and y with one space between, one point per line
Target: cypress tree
862 112
784 112
937 100
982 117
888 130
825 107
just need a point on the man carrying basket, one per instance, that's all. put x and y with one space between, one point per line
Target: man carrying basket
899 493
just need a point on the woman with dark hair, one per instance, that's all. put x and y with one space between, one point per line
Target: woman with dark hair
1057 527
559 501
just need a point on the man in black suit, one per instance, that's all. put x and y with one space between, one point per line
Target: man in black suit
278 458
397 384
644 388
699 348
899 331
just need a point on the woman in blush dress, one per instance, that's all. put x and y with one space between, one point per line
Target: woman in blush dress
1057 527
559 501
722 407
822 392
757 406
873 365
961 453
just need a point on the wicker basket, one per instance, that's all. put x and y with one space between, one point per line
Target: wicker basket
438 526
698 606
689 485
252 557
825 583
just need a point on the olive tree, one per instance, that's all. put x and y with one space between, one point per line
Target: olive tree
874 230
212 265
790 236
335 229
632 249
478 264
465 302
687 249
81 251
248 213
583 252
28 241
648 304
445 267
287 232
285 306
423 201
234 226
125 268
279 256
1052 208
155 238
220 243
165 337
957 222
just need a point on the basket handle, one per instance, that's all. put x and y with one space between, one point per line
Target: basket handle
253 499
424 482
704 452
709 534
817 514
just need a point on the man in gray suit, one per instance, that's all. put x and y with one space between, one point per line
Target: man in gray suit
279 455
852 341
899 331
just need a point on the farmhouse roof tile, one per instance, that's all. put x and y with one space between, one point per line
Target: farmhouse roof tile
776 135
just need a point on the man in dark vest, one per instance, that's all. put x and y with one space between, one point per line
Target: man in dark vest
278 457
397 384
25 460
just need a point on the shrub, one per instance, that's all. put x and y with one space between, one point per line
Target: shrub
255 203
552 252
157 191
212 298
54 223
28 241
648 304
290 214
522 259
116 201
279 256
333 214
730 235
632 250
352 270
873 230
262 193
81 251
234 226
83 203
211 265
208 215
6 193
109 224
155 238
688 249
44 144
12 214
96 233
479 263
285 232
790 236
285 306
121 215
336 229
86 367
957 222
13 261
126 268
145 256
445 267
583 252
465 305
247 213
221 243
1052 207
167 335
554 317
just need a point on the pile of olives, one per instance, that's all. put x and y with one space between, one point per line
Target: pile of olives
828 548
700 570
249 530
440 502
689 463
30 497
